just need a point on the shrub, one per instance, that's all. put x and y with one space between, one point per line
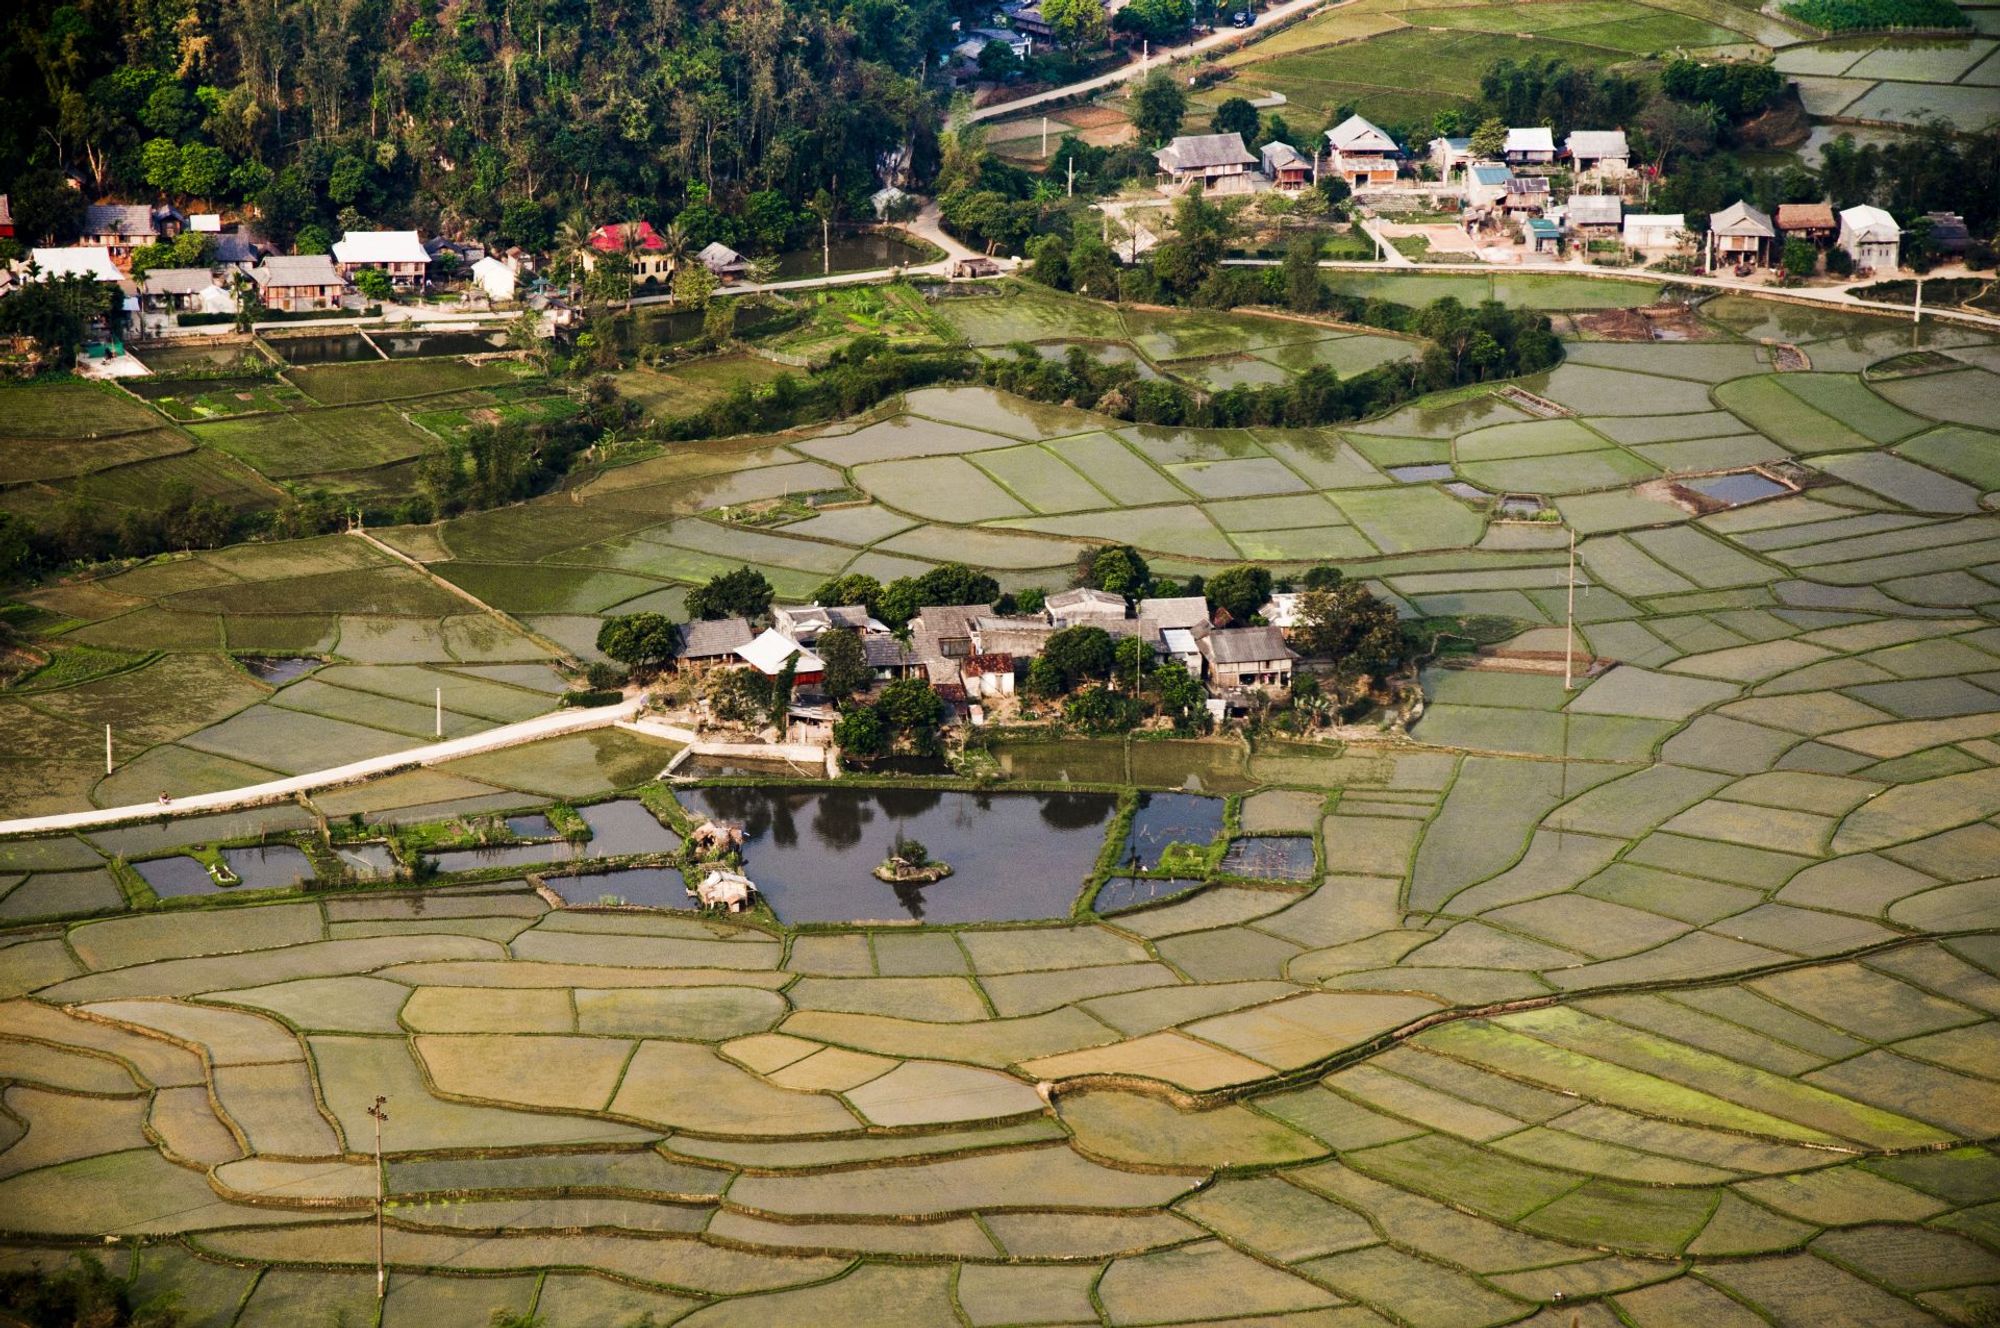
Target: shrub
574 700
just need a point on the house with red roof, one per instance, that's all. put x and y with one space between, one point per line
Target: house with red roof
650 259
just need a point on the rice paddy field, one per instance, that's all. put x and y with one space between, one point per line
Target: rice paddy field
1397 61
1668 998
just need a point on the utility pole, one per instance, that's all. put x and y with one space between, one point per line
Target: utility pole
1045 138
1917 316
440 712
1569 621
107 749
1070 190
381 1267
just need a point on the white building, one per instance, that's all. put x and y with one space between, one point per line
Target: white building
495 278
1646 231
399 255
1533 146
1870 236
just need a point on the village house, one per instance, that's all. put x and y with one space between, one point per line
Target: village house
771 650
650 259
724 262
1242 659
707 642
189 290
1871 238
1526 195
1602 152
1486 185
499 282
6 218
79 261
969 50
1949 232
890 659
1286 167
988 676
1654 232
1030 20
119 228
295 283
1594 216
1533 146
1812 222
805 622
1023 638
1544 235
1174 626
944 631
397 255
1362 154
1740 234
1083 607
1450 156
1214 161
972 268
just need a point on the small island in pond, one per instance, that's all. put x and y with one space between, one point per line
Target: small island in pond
910 863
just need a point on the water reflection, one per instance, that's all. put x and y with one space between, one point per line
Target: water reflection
813 850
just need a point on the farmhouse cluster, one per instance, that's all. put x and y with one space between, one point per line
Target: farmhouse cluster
973 655
1585 192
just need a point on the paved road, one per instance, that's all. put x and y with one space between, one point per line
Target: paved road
283 790
1223 39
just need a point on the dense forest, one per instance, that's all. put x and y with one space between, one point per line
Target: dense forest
497 116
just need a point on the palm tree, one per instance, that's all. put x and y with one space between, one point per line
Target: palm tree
674 243
573 246
763 271
631 243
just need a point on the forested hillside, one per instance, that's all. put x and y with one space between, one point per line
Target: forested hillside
502 115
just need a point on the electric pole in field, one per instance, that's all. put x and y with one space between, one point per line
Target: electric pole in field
381 1267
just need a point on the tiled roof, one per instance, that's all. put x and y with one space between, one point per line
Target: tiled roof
119 219
712 638
297 270
1196 152
1246 645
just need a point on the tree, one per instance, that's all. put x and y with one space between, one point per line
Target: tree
1045 680
1157 21
743 593
1351 627
997 62
1120 570
1305 291
1078 653
694 285
1235 116
861 733
1800 257
374 284
1490 139
1158 107
1242 590
638 640
781 693
853 588
1101 710
846 658
739 696
1322 577
912 707
953 583
1075 23
56 311
1181 693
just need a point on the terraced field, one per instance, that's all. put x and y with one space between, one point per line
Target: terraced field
1668 999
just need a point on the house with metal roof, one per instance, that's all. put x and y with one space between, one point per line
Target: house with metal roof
119 228
1740 234
185 290
1486 185
1083 607
296 282
1871 238
1214 161
771 650
397 255
1653 231
1532 146
1450 156
1361 153
1285 166
723 261
1600 151
1594 215
1248 658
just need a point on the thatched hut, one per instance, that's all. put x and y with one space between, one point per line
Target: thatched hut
726 889
714 838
